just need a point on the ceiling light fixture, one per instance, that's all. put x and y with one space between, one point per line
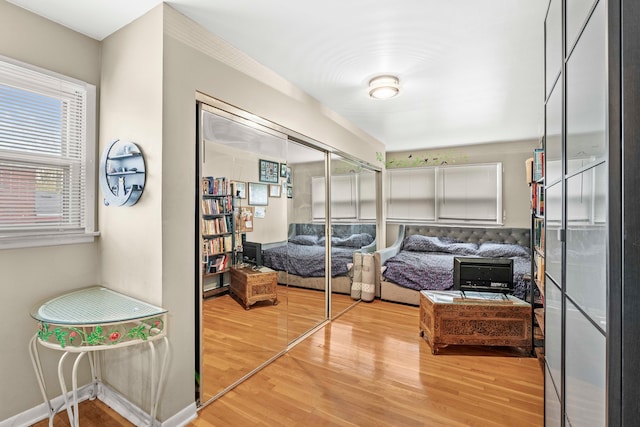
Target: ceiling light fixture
384 87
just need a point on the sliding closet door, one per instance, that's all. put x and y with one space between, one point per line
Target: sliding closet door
236 339
353 226
306 277
576 185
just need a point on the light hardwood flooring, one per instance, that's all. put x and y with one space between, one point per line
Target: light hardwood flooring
370 367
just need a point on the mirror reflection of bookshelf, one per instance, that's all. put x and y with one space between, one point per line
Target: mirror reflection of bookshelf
217 230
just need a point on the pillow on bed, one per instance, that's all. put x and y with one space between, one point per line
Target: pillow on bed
419 243
460 248
353 241
304 239
508 250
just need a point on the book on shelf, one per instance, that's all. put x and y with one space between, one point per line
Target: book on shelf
217 206
217 263
538 164
215 186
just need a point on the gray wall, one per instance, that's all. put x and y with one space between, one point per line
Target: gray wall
32 275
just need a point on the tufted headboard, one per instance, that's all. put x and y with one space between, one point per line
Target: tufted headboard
478 235
472 235
337 230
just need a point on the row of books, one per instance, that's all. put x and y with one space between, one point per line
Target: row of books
217 263
217 245
538 234
215 186
217 206
216 226
537 198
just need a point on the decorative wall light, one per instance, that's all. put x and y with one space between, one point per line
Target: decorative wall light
384 87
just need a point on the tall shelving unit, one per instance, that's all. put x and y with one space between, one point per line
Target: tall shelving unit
217 230
536 184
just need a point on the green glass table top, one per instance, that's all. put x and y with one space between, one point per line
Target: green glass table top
94 305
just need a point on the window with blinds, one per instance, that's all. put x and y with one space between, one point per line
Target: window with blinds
47 147
446 194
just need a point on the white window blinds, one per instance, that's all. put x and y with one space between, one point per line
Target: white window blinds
47 146
446 194
469 193
412 194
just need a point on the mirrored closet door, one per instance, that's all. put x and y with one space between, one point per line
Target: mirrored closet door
261 258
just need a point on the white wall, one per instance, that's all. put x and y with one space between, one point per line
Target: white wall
515 190
29 276
131 241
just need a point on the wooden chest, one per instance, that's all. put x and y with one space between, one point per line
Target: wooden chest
446 318
249 286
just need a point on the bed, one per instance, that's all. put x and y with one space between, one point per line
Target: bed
422 258
300 260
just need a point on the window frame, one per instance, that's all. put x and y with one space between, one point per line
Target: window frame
56 235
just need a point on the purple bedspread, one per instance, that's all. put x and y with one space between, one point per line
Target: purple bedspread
307 260
434 271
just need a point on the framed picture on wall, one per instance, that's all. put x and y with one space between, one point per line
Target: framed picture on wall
258 194
283 170
274 190
289 179
268 171
290 192
240 189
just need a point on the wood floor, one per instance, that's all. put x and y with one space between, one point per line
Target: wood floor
370 367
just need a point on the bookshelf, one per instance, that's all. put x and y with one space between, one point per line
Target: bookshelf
217 231
535 177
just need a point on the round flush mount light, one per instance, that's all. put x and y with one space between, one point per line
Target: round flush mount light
384 87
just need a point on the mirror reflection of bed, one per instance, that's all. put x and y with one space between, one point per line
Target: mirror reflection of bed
237 338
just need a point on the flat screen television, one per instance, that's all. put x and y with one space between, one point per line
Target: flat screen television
252 253
483 274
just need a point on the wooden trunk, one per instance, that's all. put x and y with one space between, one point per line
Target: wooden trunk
475 323
250 286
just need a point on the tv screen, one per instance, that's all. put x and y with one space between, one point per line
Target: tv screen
252 253
483 274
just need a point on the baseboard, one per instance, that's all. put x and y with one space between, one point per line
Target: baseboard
137 416
183 417
41 412
110 397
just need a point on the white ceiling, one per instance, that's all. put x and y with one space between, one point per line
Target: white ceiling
470 71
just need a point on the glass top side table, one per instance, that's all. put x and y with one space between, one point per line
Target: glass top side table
91 320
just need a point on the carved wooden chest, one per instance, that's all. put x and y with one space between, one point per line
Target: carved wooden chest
249 286
448 317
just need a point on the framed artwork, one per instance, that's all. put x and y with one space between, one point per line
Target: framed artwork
274 190
289 180
268 171
258 194
283 170
240 189
290 192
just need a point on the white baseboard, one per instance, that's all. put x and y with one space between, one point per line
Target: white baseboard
115 400
183 417
137 416
41 412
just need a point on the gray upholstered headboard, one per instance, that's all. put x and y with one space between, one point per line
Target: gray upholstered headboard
473 235
519 236
338 230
